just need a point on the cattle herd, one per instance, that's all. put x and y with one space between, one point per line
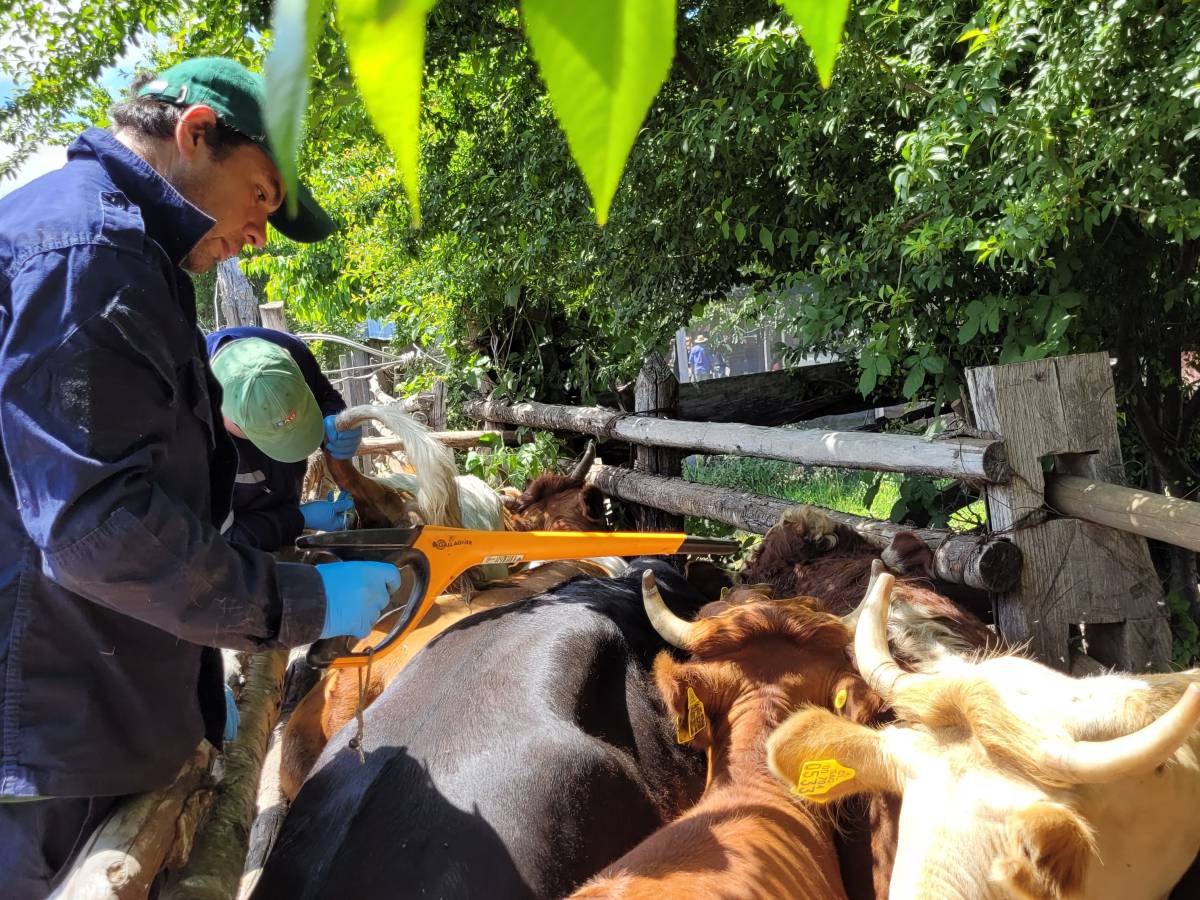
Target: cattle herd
829 726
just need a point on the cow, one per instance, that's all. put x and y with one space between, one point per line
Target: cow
808 552
754 661
336 699
521 751
1018 780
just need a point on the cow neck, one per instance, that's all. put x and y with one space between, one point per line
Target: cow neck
738 753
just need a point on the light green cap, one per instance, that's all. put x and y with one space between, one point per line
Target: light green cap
265 395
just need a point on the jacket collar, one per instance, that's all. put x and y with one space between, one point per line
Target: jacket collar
176 224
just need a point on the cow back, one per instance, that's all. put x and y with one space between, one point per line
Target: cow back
520 752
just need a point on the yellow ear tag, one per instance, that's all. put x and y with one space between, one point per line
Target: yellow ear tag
697 720
839 699
819 776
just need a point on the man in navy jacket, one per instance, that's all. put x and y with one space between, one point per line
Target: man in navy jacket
266 376
116 472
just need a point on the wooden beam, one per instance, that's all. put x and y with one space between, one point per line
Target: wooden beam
657 395
1075 573
218 857
963 458
1151 515
986 564
144 834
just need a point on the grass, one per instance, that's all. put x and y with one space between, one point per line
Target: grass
841 489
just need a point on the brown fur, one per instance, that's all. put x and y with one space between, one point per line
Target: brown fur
557 503
753 663
1052 845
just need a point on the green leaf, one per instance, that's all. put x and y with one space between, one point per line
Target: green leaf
821 22
934 365
603 62
296 25
766 239
739 231
913 382
385 40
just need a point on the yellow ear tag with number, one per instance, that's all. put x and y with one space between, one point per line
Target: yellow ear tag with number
697 720
839 699
819 776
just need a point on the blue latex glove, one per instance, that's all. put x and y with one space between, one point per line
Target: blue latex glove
341 444
328 514
355 595
231 715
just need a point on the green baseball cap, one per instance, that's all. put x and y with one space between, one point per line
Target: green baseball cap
238 97
265 395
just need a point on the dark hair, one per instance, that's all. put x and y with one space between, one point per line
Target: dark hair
157 119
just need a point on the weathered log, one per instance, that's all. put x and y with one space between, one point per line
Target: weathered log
963 458
272 315
142 836
272 805
219 855
1151 515
982 563
457 440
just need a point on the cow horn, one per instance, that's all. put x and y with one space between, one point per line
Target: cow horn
1094 762
674 630
585 463
875 661
850 620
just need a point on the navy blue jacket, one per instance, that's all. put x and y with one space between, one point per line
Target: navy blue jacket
266 495
115 472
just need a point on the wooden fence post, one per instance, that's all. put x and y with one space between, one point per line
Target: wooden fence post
1076 573
657 395
272 315
235 295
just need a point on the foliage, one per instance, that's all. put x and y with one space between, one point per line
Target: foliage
502 466
1185 633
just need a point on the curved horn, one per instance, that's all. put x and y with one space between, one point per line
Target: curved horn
850 620
1094 762
674 630
875 661
585 463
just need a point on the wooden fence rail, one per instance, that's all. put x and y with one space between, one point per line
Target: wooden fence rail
962 458
985 564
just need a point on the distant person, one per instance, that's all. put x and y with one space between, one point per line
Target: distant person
776 367
699 358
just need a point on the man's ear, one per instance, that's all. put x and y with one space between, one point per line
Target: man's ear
823 757
688 699
1051 846
189 130
853 700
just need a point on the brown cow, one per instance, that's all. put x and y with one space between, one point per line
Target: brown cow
754 660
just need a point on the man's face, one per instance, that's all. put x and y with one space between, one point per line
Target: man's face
239 191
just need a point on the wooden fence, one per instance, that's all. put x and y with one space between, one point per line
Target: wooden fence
1066 557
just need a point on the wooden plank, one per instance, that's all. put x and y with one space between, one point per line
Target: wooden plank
963 458
958 559
1074 572
656 396
1151 515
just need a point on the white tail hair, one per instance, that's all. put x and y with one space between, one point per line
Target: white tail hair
433 462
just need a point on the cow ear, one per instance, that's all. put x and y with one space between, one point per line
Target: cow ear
823 757
689 699
853 700
591 503
1050 847
909 555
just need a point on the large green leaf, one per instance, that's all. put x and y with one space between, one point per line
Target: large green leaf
385 40
821 22
603 62
295 25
